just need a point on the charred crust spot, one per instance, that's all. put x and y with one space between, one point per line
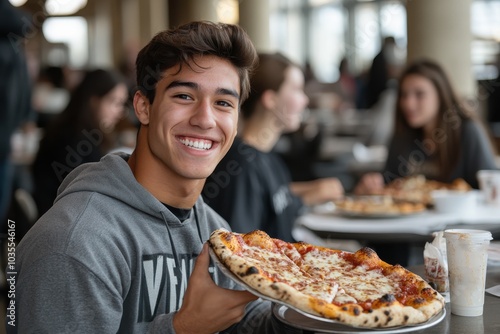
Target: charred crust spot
274 287
406 318
375 319
389 319
367 251
419 300
356 311
389 298
365 322
251 271
427 290
386 312
370 310
344 308
433 285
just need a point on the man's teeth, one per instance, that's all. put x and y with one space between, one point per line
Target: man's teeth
197 144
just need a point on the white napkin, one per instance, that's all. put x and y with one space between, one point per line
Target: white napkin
494 290
435 261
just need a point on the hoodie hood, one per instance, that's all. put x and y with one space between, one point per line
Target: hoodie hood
111 177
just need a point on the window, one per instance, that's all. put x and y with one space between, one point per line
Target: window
326 41
322 32
485 27
71 31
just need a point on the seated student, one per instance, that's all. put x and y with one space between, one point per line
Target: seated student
81 133
435 135
118 250
251 187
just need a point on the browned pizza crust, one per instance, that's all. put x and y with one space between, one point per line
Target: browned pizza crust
300 276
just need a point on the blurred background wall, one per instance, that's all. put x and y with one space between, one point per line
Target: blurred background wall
335 41
319 32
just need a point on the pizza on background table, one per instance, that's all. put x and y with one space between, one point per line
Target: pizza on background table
377 206
356 289
418 188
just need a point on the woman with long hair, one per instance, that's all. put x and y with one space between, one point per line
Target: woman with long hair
436 133
83 132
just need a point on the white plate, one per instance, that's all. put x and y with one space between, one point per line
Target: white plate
305 321
288 313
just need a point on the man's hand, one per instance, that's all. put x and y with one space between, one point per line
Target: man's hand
207 308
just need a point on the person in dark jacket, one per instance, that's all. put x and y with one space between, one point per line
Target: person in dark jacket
436 135
15 92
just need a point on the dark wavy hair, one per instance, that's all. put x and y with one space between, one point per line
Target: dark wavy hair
181 45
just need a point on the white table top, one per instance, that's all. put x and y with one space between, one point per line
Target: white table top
325 219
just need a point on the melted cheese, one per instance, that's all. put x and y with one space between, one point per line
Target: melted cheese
355 282
279 268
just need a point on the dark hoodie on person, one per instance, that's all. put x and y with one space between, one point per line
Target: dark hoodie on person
15 83
109 257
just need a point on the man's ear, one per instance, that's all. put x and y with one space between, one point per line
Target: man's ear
141 107
268 99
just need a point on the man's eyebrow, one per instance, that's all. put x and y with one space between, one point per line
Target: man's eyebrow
225 91
195 86
177 83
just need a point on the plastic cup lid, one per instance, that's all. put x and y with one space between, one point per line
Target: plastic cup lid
468 234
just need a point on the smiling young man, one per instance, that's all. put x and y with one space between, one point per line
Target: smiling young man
122 248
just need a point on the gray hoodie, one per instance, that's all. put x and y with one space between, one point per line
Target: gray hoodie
102 259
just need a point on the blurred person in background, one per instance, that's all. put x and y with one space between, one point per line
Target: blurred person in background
15 94
251 187
386 66
493 112
435 135
347 85
82 132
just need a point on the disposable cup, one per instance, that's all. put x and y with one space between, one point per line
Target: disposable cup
467 253
489 184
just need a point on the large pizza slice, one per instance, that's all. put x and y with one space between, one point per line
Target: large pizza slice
357 289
